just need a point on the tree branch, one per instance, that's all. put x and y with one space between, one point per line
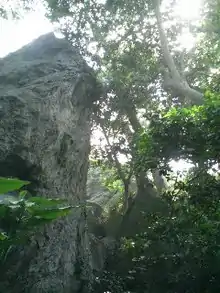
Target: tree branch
176 82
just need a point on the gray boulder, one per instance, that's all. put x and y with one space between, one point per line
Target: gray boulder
47 93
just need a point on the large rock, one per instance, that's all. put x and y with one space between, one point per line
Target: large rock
46 97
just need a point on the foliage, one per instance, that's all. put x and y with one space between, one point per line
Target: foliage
103 185
203 64
21 215
111 181
190 133
178 252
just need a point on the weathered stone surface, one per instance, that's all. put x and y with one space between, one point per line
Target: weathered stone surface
46 97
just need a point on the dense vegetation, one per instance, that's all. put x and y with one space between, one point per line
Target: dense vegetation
160 102
179 251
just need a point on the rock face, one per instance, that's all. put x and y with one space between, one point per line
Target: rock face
46 97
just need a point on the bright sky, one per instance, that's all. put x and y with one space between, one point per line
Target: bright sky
188 9
15 34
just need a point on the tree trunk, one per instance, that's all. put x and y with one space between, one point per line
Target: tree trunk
173 79
146 199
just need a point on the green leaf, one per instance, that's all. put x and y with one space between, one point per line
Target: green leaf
3 210
23 193
3 236
45 202
8 184
50 214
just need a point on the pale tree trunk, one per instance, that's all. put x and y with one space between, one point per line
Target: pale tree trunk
173 79
159 181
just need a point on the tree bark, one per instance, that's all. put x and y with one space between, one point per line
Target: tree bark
174 80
